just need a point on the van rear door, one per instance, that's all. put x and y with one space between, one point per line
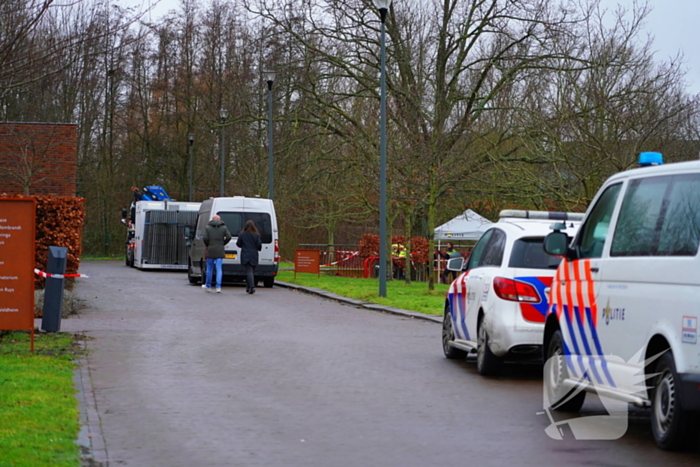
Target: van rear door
235 220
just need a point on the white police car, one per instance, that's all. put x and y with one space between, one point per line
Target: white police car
625 300
496 307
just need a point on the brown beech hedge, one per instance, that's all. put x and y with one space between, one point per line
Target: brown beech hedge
59 222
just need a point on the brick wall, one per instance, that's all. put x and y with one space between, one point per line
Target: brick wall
39 158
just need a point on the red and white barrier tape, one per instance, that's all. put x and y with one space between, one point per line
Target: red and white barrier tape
57 276
340 261
355 253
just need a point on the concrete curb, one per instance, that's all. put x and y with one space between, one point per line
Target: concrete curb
360 303
90 438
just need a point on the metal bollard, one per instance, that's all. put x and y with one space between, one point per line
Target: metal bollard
53 293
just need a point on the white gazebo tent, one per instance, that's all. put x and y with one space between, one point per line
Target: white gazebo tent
467 226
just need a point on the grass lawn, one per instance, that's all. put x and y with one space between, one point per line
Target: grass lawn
414 296
39 415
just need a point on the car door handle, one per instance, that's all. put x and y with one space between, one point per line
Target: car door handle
594 269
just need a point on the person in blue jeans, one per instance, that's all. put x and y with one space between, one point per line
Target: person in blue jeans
216 236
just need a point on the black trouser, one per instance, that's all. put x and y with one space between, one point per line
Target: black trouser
249 276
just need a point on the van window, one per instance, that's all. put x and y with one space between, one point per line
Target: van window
236 220
202 223
660 216
680 231
595 229
639 215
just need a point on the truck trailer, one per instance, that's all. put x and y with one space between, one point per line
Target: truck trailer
156 225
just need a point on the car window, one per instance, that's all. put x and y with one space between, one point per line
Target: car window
529 253
595 228
660 216
236 220
478 249
493 253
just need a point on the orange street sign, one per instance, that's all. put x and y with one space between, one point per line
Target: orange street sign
17 246
307 261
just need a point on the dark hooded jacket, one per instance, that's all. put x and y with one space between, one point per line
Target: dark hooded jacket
216 236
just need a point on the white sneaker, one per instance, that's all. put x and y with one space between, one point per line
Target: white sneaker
218 290
204 286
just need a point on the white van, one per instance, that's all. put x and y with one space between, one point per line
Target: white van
625 302
234 213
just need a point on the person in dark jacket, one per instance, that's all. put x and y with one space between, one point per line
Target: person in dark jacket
450 253
250 243
216 236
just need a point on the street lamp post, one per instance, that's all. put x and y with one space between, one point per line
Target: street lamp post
223 114
190 138
383 7
269 77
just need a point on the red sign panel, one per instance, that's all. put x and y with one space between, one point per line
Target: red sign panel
307 261
17 244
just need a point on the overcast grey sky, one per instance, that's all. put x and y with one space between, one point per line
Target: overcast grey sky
674 25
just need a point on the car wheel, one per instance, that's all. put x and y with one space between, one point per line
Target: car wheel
448 335
268 282
671 425
487 363
561 398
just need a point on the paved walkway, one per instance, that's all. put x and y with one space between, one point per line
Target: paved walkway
104 323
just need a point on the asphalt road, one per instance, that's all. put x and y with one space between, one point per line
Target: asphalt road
186 378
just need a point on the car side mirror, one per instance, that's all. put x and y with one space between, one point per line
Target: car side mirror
455 264
556 244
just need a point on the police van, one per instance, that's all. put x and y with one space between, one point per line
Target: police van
234 212
625 301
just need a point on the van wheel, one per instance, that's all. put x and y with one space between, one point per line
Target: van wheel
268 282
448 335
560 398
487 363
672 426
190 274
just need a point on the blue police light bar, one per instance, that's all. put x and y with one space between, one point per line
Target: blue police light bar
647 159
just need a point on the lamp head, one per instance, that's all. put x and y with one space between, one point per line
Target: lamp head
223 113
190 137
382 4
383 7
269 76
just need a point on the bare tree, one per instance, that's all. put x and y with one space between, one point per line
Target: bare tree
448 63
582 124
